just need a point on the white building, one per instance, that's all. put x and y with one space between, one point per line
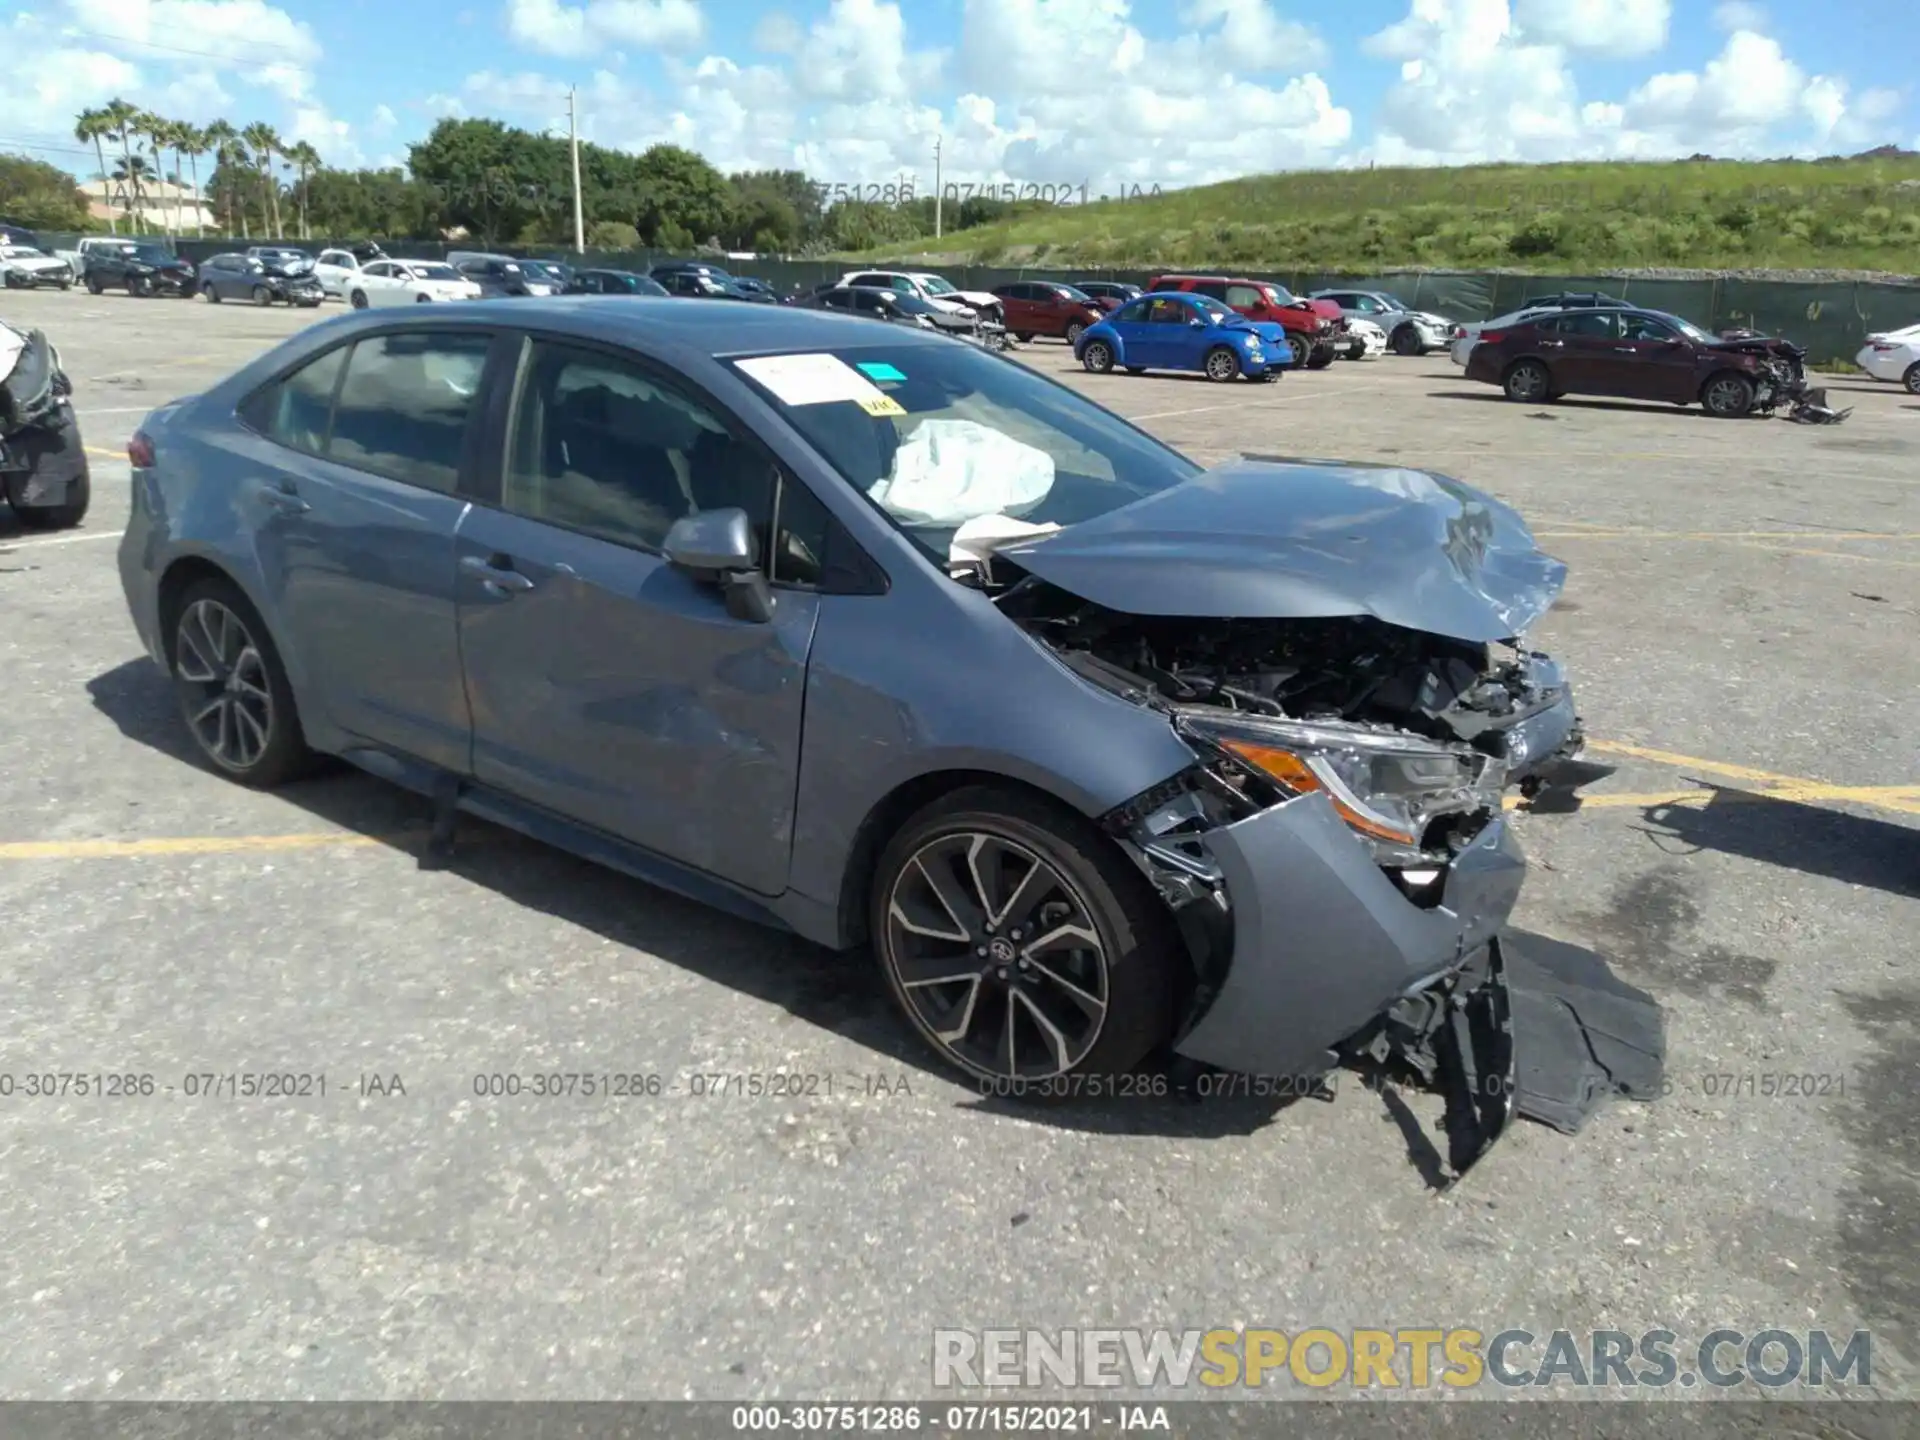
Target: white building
161 205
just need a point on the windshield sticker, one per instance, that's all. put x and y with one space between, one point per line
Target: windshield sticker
810 379
880 370
883 405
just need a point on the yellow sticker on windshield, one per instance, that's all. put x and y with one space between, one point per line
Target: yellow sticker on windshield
883 405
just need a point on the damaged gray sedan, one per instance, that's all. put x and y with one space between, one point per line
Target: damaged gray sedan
1110 759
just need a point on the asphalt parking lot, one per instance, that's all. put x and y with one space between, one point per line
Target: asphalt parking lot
1740 622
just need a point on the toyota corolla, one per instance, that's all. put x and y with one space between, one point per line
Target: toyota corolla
897 643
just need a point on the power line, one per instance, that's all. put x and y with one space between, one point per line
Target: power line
68 30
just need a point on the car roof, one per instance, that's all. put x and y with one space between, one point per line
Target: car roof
652 324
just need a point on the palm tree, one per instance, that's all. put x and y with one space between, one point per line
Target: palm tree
224 141
130 176
265 141
192 141
174 134
306 160
91 125
120 117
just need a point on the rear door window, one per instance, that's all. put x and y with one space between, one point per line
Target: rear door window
403 406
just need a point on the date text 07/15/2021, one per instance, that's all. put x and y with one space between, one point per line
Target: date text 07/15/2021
904 190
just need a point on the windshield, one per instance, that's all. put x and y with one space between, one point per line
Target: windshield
936 435
1279 293
437 272
1688 328
935 285
1080 296
21 252
1216 310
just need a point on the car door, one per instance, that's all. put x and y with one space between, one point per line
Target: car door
1653 361
1172 340
606 685
1577 346
333 267
1131 322
353 477
383 283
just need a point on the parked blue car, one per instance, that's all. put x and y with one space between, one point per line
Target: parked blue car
1180 331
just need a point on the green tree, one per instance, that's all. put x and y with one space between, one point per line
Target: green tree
194 143
305 160
264 141
40 195
229 158
120 118
93 126
680 191
492 179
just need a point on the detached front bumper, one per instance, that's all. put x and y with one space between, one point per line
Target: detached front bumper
1324 942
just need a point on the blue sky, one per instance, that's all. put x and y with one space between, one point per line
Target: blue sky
1052 91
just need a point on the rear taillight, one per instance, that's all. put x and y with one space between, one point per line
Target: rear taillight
1492 337
140 451
1459 332
1882 347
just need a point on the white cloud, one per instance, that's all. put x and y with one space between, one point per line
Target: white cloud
331 136
778 33
580 31
859 51
1256 38
1734 15
383 119
1596 27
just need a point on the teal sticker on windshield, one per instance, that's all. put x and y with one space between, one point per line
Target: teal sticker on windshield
880 370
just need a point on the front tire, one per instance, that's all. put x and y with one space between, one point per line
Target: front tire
1727 395
1019 942
1097 357
1406 341
1528 383
139 287
423 299
358 299
1912 378
1023 336
59 517
211 292
1320 357
232 688
93 285
262 296
1221 364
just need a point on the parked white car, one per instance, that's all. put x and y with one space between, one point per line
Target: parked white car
1409 332
1893 355
1365 341
407 282
335 268
933 289
1465 337
23 267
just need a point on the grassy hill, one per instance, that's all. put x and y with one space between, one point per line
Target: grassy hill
1843 214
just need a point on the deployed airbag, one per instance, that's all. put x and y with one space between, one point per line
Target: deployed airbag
950 471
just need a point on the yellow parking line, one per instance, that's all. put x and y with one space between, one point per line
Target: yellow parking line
1902 798
106 454
178 845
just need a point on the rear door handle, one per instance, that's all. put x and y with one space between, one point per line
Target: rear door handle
496 573
284 498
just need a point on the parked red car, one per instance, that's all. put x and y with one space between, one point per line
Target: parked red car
1047 307
1315 328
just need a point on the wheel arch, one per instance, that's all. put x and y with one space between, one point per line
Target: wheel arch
182 574
885 818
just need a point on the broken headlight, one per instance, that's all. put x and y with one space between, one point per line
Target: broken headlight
1390 787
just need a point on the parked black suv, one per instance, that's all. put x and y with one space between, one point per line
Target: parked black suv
144 269
495 277
262 276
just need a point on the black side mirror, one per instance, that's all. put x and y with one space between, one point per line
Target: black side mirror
718 546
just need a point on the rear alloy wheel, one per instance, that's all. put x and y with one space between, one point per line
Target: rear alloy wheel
262 295
1728 396
1097 357
1912 378
1075 329
232 688
212 294
1406 341
1528 383
1019 941
1221 364
358 299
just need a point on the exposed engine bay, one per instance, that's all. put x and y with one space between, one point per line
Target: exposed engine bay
1500 713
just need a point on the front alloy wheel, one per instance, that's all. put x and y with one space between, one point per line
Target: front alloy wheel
1728 396
996 956
1222 364
1021 942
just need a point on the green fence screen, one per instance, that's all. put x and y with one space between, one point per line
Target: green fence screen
1830 319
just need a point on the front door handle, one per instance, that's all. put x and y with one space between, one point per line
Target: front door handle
285 499
1552 344
496 573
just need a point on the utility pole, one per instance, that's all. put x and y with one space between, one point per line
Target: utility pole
938 197
573 142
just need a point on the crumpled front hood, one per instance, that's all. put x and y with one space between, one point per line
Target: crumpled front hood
1308 539
1760 345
